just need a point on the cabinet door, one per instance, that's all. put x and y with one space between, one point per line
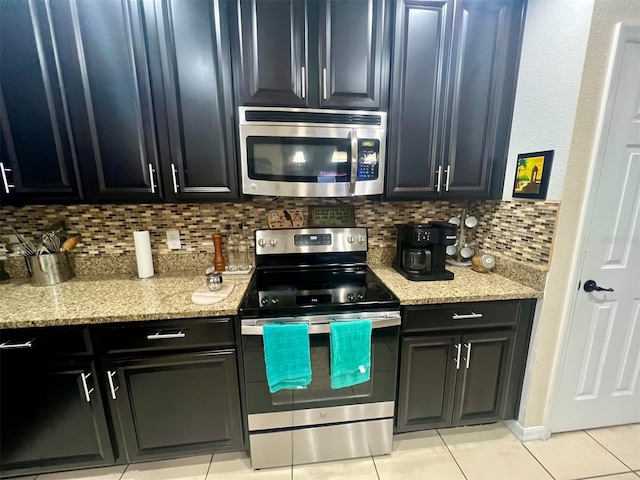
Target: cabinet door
177 405
270 56
485 62
421 49
106 73
37 151
354 62
49 420
200 158
427 381
483 378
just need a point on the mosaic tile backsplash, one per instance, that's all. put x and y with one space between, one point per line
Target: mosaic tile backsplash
520 230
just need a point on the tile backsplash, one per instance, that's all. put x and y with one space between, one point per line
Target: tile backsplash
519 230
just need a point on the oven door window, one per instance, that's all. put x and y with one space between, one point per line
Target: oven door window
292 159
380 388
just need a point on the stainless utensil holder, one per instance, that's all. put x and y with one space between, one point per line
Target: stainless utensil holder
50 269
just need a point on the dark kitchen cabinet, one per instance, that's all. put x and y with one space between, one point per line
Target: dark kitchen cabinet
38 158
295 53
197 154
51 417
176 405
354 54
452 101
421 51
465 370
481 382
428 381
270 52
104 65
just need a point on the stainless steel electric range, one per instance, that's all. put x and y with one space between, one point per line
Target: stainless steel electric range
318 276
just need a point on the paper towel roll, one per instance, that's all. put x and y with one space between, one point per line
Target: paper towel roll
142 243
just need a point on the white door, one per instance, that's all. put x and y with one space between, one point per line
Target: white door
599 380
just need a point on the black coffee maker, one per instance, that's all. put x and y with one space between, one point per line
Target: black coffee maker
421 250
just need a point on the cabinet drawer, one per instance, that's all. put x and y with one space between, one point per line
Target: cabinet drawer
189 334
36 342
460 315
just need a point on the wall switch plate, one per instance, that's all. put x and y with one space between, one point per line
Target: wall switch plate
173 240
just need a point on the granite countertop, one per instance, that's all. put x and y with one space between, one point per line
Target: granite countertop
467 286
93 300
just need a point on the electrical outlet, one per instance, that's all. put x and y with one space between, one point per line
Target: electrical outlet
173 240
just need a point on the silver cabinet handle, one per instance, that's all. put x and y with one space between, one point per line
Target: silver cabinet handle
5 180
468 359
457 359
304 82
164 336
175 178
325 326
324 83
153 185
354 161
87 392
446 184
113 389
8 345
438 187
466 316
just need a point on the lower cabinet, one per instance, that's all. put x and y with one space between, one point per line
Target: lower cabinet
51 417
176 405
464 372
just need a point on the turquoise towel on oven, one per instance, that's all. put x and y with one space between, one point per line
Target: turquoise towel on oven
350 353
287 356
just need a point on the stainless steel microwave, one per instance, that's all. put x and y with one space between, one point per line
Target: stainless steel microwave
295 152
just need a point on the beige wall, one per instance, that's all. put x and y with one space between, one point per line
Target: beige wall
553 317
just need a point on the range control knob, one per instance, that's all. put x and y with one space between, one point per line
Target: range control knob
351 239
351 297
273 242
274 300
361 296
264 300
362 239
262 242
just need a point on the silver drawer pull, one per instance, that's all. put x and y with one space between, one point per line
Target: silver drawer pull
466 316
113 388
87 392
457 359
164 336
8 345
468 359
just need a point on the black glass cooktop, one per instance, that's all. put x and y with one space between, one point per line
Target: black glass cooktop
315 291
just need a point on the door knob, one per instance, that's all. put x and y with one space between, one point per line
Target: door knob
592 286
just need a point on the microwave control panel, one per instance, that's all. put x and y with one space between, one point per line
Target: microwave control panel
368 159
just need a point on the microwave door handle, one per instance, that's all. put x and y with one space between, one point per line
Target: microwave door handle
354 161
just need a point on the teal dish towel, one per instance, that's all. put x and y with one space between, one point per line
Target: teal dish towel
287 356
350 353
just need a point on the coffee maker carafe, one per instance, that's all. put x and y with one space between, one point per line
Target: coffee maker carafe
421 250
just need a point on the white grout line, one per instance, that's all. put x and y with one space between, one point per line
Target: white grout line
620 460
452 455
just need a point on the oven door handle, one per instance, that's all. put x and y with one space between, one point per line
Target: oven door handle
317 328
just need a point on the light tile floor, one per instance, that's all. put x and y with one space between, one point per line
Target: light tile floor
488 452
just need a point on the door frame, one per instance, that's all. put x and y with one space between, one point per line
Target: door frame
622 31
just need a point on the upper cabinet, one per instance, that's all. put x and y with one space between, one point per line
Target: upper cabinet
452 101
108 88
327 54
38 158
132 99
189 56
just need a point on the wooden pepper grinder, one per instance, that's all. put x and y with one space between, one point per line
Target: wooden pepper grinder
218 257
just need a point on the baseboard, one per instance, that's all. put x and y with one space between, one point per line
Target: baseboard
525 434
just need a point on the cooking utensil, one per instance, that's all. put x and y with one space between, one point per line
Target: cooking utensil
17 248
51 242
42 250
50 269
69 244
56 227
